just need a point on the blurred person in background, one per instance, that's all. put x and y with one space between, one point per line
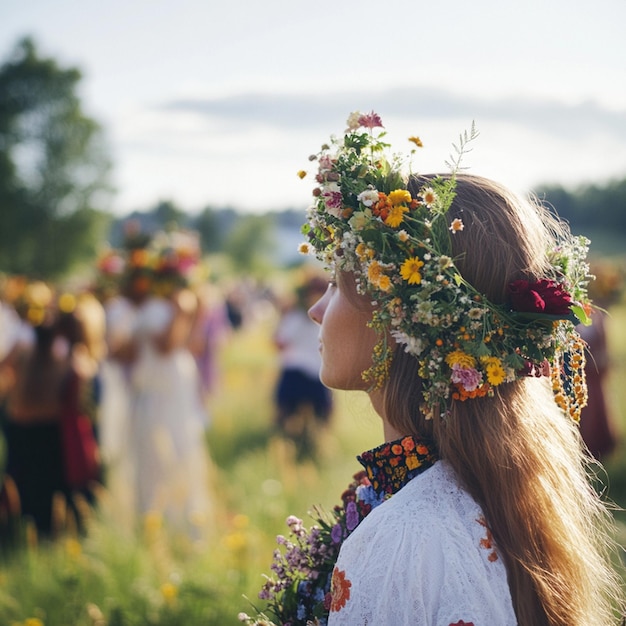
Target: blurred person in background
43 375
157 455
302 402
598 425
209 331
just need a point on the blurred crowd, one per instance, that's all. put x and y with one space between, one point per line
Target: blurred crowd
105 389
110 385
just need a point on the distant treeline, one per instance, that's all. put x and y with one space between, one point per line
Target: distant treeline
590 208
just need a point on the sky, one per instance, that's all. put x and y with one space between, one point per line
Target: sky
220 102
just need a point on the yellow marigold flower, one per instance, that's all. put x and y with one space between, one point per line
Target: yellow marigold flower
458 357
384 283
361 251
399 196
495 373
417 141
410 270
396 215
374 272
301 174
490 360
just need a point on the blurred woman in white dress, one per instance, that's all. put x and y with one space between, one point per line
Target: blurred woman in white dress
168 421
156 443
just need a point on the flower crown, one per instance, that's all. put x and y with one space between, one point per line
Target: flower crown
164 260
398 246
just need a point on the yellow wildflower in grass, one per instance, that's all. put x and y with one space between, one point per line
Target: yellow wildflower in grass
410 270
241 521
236 541
33 621
399 196
169 592
458 357
73 548
417 141
396 215
152 525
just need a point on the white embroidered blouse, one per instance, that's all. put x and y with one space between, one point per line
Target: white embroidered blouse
424 557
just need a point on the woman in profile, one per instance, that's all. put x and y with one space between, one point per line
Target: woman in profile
453 304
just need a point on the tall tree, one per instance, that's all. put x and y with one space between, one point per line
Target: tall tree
250 243
53 168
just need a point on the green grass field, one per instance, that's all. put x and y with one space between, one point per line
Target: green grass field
114 578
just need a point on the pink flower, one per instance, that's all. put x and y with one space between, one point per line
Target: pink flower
371 120
543 296
468 377
333 199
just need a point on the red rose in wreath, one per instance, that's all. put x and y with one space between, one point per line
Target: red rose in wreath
543 296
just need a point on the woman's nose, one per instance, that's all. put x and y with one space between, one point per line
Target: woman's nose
316 312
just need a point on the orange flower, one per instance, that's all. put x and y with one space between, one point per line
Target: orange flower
408 443
339 590
462 394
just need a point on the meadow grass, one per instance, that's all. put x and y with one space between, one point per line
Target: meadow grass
146 576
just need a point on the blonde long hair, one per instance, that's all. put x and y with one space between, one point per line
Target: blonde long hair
519 456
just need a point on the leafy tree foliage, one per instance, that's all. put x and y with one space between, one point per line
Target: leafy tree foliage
209 225
53 168
250 242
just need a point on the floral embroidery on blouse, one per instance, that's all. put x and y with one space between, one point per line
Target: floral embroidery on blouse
392 465
339 590
306 583
487 542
